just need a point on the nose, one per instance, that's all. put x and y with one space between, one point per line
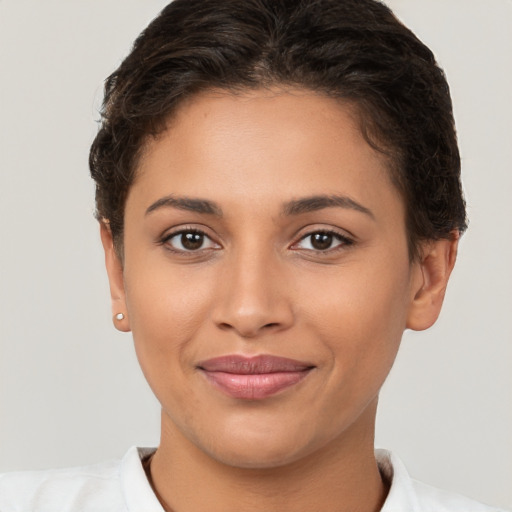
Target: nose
255 296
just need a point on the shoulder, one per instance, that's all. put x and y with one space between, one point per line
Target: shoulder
94 488
409 495
86 488
439 500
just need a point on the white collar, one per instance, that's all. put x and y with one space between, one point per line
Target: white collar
402 494
405 494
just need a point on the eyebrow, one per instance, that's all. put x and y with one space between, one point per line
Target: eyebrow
186 203
294 207
315 203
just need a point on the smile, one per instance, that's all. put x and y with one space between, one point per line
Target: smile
253 378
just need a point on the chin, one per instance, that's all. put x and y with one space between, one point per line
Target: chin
262 450
263 457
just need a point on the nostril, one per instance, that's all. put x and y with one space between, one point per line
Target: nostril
251 319
248 331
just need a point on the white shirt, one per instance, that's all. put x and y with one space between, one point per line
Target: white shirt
122 486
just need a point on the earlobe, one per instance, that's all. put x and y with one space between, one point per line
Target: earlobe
114 268
429 282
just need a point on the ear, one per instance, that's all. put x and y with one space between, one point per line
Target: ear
430 279
115 279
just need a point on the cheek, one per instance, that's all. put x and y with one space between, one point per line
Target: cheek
360 315
167 306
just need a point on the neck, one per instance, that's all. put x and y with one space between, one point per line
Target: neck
342 476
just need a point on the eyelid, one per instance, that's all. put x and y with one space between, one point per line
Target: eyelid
345 240
180 230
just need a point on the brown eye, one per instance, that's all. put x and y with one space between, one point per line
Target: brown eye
321 241
190 241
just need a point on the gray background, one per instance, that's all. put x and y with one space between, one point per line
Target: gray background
70 389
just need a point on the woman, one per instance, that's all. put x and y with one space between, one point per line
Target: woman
279 199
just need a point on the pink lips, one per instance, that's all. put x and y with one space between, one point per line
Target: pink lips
253 378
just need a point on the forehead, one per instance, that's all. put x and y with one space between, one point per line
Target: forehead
264 145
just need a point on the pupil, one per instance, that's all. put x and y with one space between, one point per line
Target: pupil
192 241
321 241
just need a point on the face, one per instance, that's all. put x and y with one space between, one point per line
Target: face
266 276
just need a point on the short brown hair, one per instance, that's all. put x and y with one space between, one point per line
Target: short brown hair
355 50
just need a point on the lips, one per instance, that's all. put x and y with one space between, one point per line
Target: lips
253 378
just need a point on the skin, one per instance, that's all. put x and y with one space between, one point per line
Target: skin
258 285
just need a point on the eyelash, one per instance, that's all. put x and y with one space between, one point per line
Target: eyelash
186 231
343 241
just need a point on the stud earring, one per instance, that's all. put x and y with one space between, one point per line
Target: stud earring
119 316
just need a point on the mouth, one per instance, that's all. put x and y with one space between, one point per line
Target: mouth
253 378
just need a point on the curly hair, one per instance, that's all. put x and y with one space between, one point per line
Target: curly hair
354 50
